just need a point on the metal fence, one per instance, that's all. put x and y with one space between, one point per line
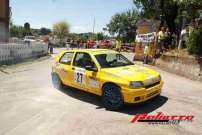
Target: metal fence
15 52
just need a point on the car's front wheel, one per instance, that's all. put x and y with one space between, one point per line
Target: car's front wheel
57 83
112 97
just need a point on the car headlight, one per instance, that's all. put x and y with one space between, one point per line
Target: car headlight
136 85
159 78
152 80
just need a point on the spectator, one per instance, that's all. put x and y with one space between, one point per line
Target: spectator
174 40
146 54
85 45
50 47
71 43
160 40
96 44
200 64
184 35
118 45
78 44
167 42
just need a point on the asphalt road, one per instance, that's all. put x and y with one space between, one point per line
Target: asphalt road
29 105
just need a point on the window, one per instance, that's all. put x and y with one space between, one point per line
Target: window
112 60
83 60
67 58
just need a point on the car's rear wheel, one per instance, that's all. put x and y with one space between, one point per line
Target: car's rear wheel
57 83
112 97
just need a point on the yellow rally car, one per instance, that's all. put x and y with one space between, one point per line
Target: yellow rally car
108 74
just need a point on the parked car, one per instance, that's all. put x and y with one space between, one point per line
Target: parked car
29 39
106 44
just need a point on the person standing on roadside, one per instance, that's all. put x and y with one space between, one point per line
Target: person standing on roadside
184 36
174 40
160 40
200 64
118 45
78 44
146 54
167 39
50 47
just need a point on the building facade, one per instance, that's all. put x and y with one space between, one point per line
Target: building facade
4 20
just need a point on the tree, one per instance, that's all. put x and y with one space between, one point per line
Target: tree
170 11
100 36
61 29
164 10
83 36
27 29
195 40
45 31
17 31
124 25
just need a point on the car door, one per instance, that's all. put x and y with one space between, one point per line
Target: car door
65 68
83 78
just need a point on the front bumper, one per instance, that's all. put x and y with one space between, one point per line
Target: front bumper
141 95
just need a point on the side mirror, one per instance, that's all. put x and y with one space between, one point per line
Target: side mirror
90 68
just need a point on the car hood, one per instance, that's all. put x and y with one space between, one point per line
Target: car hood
132 73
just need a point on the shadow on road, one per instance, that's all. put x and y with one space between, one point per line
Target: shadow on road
146 107
132 109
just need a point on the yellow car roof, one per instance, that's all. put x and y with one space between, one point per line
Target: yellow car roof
92 51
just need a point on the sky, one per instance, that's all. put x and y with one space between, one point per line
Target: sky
79 14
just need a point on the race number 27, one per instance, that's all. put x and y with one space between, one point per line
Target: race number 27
79 78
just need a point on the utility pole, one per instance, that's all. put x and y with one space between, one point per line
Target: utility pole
93 28
94 25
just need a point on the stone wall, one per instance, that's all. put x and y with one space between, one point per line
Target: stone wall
11 53
184 66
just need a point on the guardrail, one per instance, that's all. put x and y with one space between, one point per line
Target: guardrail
14 52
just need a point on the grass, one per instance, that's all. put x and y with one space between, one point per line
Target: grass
179 53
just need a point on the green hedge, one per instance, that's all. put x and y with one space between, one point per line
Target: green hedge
195 42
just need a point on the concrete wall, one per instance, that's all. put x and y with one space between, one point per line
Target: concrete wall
3 32
12 53
184 66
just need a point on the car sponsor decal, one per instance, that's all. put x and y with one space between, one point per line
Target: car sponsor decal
94 83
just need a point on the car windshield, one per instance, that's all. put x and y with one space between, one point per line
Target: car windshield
110 60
